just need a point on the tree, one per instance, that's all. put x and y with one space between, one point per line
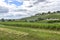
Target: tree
2 20
54 12
9 20
58 11
49 12
43 13
40 19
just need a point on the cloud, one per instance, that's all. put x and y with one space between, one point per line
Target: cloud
27 8
38 1
20 10
4 9
48 5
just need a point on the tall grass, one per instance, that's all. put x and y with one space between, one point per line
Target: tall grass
22 33
53 26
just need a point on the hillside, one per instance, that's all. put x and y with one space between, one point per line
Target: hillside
43 16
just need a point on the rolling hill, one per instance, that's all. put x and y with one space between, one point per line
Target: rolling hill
43 16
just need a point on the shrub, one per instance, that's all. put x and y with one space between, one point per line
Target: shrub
53 21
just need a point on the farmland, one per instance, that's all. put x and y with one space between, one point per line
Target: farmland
29 31
53 26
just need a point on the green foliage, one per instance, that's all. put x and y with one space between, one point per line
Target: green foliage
39 19
54 21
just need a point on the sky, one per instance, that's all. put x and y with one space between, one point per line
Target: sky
14 9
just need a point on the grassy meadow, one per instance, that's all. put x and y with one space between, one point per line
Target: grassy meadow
22 33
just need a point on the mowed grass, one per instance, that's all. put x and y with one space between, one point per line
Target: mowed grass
22 33
8 34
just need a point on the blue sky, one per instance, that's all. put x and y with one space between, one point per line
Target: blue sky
25 8
10 2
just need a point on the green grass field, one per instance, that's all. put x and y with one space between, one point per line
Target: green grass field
51 26
28 31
